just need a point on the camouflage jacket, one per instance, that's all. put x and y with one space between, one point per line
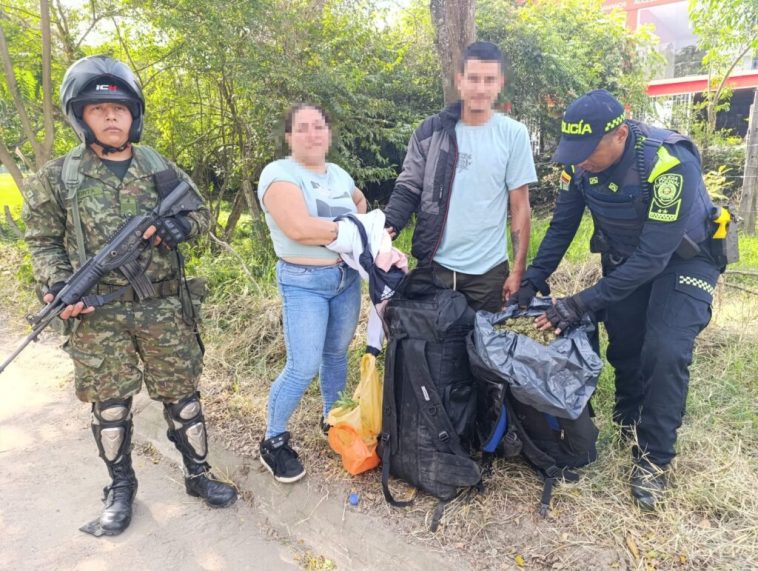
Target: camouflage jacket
104 203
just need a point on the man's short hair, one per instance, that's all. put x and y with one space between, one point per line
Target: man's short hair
484 51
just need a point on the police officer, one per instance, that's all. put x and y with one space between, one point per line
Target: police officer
652 216
71 208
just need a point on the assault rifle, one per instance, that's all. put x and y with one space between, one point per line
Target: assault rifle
120 253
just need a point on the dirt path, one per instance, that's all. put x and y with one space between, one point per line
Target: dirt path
51 479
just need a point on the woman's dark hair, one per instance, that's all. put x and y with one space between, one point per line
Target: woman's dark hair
295 108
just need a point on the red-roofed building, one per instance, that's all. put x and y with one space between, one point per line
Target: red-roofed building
681 82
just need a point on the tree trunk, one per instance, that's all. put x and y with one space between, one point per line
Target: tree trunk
256 214
46 147
454 28
749 201
234 216
7 160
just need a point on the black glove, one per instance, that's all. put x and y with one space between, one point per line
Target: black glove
566 312
56 288
173 229
525 295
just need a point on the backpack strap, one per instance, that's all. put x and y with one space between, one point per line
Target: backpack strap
72 180
429 401
545 464
389 422
433 411
154 159
498 432
366 260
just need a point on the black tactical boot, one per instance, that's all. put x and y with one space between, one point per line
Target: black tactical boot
187 432
648 485
201 484
112 428
119 497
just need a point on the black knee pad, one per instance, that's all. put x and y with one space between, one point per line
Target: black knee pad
187 427
112 427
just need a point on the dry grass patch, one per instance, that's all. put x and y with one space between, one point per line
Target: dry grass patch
709 521
18 291
711 509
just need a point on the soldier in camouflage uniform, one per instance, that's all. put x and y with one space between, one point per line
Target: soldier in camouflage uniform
71 208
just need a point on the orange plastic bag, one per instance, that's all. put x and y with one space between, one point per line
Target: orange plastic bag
355 429
357 456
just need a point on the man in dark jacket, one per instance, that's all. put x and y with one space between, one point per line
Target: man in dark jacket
653 229
463 170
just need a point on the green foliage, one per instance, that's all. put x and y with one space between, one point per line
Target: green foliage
21 26
725 29
555 52
219 75
716 183
723 157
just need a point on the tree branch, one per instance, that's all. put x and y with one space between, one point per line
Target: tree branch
47 86
126 51
714 101
7 159
10 79
63 31
24 159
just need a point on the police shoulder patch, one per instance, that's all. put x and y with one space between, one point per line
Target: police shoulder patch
667 198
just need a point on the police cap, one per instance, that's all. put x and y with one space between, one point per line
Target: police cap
585 122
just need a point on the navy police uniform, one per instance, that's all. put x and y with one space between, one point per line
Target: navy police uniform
652 218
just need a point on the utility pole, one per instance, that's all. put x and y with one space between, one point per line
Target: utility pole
749 201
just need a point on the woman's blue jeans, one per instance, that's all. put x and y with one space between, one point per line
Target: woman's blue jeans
320 308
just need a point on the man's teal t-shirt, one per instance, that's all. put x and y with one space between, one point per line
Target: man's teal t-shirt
493 159
326 195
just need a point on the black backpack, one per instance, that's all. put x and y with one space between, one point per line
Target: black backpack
429 407
507 427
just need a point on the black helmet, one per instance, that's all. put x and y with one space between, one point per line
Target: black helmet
100 78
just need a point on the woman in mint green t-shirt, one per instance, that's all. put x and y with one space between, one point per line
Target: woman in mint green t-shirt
301 195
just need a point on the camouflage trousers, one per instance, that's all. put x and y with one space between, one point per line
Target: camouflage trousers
121 343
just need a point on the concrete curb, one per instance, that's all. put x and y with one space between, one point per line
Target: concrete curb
351 539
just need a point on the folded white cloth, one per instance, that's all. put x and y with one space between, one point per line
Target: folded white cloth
348 243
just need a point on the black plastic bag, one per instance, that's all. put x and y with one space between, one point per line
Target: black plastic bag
558 378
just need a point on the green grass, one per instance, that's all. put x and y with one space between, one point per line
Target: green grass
9 192
748 253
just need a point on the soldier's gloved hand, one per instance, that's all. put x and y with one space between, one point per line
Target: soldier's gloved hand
52 291
525 295
173 229
72 310
564 313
